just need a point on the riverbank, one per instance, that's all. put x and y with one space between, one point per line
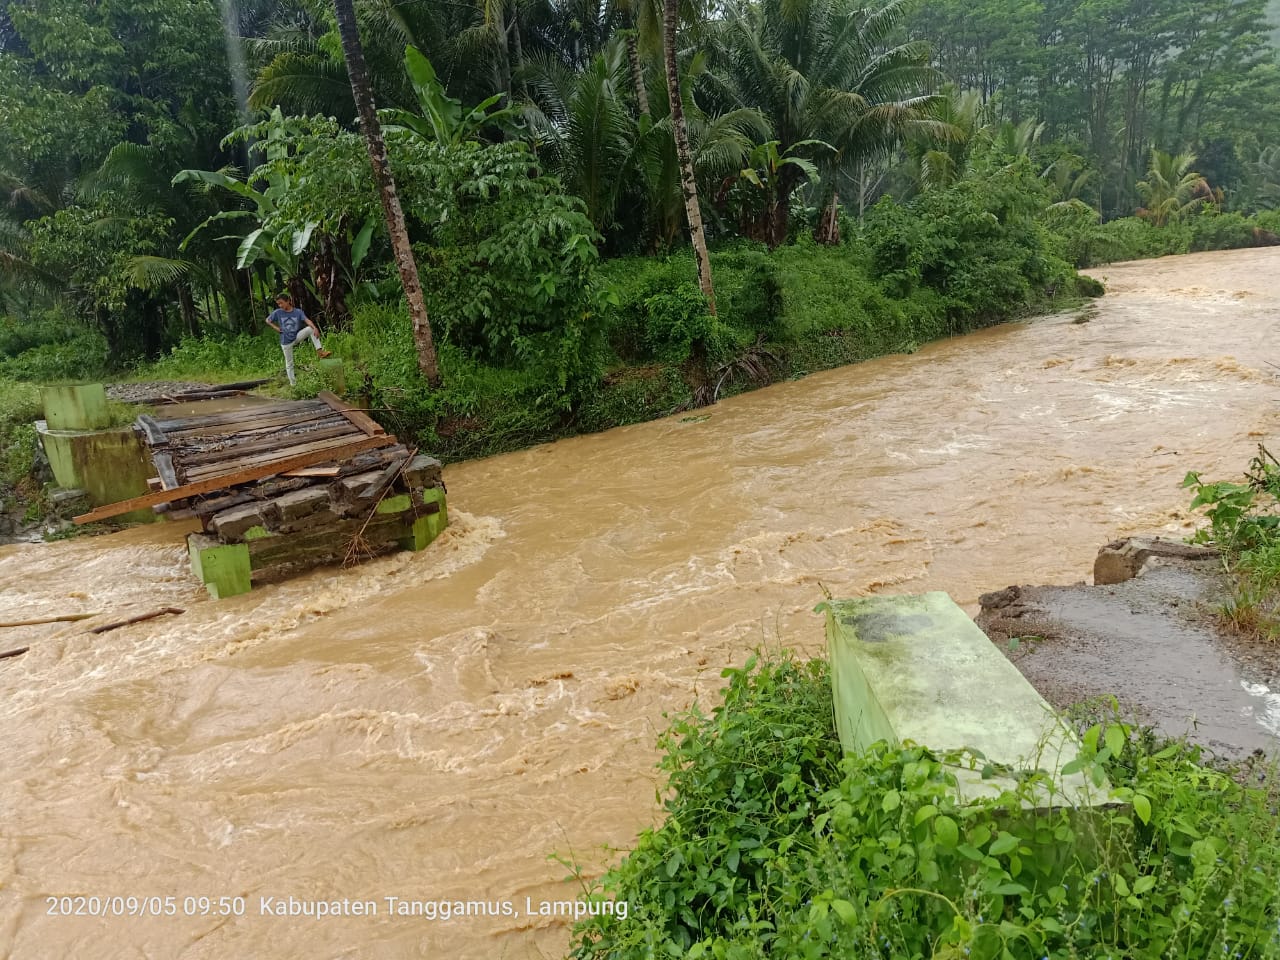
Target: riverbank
1156 641
446 713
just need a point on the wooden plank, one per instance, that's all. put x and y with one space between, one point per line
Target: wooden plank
247 422
151 430
231 416
247 475
358 417
320 471
331 445
164 466
251 431
195 462
62 618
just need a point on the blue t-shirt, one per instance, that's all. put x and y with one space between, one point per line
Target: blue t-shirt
289 322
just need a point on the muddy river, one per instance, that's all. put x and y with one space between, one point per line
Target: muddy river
437 726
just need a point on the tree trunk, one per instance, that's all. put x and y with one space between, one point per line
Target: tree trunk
637 73
187 304
828 231
688 185
396 226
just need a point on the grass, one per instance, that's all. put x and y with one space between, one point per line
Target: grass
1244 524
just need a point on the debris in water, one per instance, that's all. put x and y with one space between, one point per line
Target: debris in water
61 618
138 619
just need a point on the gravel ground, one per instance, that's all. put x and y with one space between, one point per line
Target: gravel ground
132 392
1156 643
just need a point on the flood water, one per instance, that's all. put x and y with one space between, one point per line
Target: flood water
435 726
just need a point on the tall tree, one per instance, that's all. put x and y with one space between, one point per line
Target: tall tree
688 184
396 227
830 73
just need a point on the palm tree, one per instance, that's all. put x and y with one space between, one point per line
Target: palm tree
1172 189
585 130
624 167
680 130
938 162
396 226
829 71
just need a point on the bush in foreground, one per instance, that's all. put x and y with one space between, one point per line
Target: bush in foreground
775 846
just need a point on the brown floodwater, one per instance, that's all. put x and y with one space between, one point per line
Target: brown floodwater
436 726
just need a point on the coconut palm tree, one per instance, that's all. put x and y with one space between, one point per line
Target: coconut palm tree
623 166
828 71
396 227
680 132
1172 188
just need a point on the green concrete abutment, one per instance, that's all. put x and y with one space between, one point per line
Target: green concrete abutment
917 668
108 463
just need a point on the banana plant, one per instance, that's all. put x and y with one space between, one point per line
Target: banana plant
297 252
442 119
765 171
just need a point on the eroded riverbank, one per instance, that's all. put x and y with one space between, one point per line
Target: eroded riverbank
436 725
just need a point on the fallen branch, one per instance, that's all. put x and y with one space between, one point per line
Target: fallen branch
138 619
61 618
14 653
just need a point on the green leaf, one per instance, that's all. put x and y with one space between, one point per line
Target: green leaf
1142 807
845 911
252 248
925 812
360 245
1005 843
948 834
1144 883
302 237
1010 889
1091 738
1115 739
892 800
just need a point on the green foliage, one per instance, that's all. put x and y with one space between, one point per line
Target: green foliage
512 261
774 846
1212 230
218 360
1244 524
656 312
976 246
441 118
19 408
49 347
1172 189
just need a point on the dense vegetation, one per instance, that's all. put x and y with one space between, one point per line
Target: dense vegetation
867 178
773 845
1245 527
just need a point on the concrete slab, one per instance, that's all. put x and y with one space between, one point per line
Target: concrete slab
109 465
75 407
916 668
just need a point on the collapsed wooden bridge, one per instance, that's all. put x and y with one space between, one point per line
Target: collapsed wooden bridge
285 485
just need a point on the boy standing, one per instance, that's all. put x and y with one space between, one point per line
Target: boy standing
294 326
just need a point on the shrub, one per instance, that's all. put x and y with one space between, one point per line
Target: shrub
775 846
217 359
80 356
19 407
749 300
1131 238
976 245
1220 231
